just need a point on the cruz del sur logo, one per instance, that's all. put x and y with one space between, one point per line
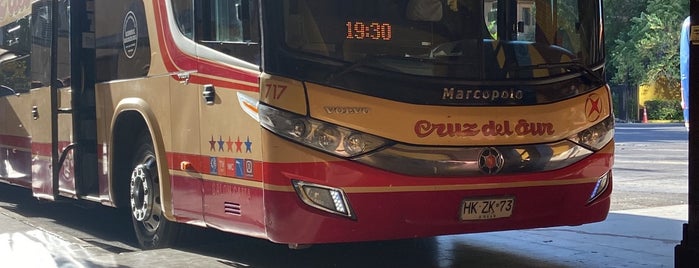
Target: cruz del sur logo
522 127
593 109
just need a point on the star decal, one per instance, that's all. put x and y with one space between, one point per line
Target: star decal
238 146
212 142
229 144
220 143
248 145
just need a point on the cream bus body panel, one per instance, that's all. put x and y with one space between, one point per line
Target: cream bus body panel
16 151
154 107
182 126
150 98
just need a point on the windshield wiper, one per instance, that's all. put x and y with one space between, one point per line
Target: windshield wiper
344 70
570 65
368 60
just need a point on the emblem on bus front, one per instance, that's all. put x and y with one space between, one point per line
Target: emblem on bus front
346 110
490 161
593 110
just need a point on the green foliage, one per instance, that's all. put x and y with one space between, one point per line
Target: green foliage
664 110
617 22
646 48
14 74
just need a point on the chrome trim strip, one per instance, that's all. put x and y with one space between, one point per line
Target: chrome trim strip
464 161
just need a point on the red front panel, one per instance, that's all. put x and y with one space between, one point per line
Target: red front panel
234 207
390 206
186 199
223 193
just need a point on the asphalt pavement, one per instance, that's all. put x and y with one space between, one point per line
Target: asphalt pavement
630 238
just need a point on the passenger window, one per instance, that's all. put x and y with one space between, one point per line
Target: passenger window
231 27
14 74
122 46
184 16
226 21
228 26
15 43
40 65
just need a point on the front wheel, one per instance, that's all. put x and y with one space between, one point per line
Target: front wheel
152 229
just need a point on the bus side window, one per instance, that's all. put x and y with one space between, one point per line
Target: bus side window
14 57
40 62
123 49
14 74
184 17
226 24
230 26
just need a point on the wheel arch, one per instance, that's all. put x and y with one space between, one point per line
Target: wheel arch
133 116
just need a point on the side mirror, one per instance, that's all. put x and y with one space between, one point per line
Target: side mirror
6 91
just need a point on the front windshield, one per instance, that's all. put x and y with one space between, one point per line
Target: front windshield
463 39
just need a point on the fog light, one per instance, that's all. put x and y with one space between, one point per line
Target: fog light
600 186
325 198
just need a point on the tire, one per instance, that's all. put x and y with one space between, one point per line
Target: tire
152 229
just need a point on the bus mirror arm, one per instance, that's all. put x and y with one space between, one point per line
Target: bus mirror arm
183 77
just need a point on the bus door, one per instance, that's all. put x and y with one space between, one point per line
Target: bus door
225 36
64 158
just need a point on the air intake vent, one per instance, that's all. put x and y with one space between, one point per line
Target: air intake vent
231 208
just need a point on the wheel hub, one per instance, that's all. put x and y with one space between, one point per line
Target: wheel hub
141 194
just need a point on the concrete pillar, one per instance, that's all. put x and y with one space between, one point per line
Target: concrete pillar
687 252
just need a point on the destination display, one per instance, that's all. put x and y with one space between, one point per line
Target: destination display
359 30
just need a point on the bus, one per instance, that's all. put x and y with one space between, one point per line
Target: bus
684 69
310 121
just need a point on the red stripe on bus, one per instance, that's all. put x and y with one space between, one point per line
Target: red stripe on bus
214 165
44 149
219 83
196 164
15 141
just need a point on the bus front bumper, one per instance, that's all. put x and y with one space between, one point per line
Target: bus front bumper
397 207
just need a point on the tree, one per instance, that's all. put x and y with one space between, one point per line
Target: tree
617 23
649 50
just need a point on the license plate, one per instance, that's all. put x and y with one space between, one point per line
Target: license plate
487 209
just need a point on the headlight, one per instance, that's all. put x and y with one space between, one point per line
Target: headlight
596 137
330 138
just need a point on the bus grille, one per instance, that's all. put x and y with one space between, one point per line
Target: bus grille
232 208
